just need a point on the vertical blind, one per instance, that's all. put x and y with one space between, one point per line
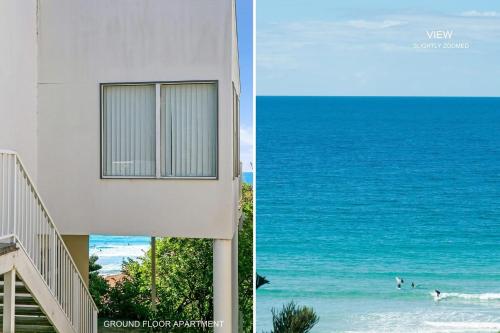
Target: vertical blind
189 130
129 130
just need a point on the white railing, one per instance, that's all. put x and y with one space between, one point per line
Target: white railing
24 217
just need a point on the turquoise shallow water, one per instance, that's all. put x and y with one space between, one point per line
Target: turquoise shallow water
352 192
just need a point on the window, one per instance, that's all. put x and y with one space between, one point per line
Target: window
188 130
236 134
162 130
129 130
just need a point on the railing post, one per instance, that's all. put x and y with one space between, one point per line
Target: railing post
94 321
76 301
53 262
9 301
14 203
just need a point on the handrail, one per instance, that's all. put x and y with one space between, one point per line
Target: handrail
24 215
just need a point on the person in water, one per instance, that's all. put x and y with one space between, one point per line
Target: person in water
412 284
438 293
399 282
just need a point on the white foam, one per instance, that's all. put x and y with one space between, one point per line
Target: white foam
429 320
124 250
459 325
110 269
480 297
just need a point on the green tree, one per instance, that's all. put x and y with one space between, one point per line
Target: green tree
98 287
184 278
130 297
294 319
245 259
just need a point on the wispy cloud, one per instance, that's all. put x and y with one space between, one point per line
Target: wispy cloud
246 142
356 51
475 13
282 44
374 25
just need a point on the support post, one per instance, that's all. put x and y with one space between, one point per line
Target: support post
9 301
153 273
222 263
235 282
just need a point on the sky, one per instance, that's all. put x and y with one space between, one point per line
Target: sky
244 16
378 48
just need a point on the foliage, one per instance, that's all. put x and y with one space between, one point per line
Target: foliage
245 260
294 319
183 279
130 298
98 287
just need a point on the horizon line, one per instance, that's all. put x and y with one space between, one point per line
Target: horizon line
380 96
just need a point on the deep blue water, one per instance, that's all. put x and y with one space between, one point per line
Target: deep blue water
354 191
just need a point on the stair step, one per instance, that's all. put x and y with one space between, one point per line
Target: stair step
34 328
20 288
7 248
32 320
33 310
22 299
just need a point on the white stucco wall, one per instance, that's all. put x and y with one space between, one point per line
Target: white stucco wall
235 76
83 43
235 68
18 74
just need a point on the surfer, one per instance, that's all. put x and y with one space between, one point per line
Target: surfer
412 284
438 293
399 281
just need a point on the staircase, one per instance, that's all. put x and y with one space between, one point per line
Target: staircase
29 317
41 290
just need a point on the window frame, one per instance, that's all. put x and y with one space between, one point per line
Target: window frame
157 85
236 134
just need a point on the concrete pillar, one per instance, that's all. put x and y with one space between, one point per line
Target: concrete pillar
153 273
9 301
78 246
235 282
222 263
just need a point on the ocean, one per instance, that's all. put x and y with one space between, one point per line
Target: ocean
113 250
353 192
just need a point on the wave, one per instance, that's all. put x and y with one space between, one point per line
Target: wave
110 269
480 297
464 325
124 250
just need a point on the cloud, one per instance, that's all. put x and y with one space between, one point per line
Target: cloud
246 136
475 13
289 45
246 146
374 25
368 52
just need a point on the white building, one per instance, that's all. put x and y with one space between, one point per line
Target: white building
125 114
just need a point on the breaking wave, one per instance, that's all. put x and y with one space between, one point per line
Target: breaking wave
480 297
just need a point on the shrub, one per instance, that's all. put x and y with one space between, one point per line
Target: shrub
294 319
98 287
